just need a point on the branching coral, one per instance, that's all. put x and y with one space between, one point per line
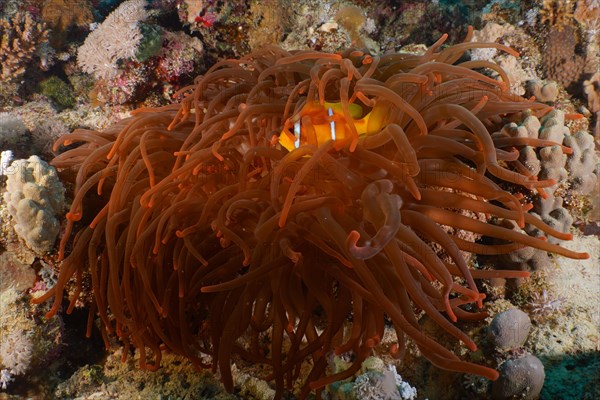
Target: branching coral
212 237
20 39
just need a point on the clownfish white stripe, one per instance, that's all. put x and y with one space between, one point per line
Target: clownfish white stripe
331 124
297 131
297 134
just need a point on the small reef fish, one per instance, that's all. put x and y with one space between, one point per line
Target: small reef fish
316 124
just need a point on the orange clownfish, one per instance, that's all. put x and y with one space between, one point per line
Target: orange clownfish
316 124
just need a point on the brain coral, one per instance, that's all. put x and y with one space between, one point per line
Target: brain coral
35 197
289 191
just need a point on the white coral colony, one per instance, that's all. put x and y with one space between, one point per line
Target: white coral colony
35 196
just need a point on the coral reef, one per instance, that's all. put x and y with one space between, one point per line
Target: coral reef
374 381
177 379
545 92
557 13
574 172
131 83
526 259
151 57
560 62
35 197
228 185
551 211
420 21
21 38
60 15
582 164
490 33
13 132
179 57
5 378
16 350
251 386
25 344
116 39
46 95
548 162
43 125
318 31
373 384
591 88
177 61
6 158
519 70
59 91
223 26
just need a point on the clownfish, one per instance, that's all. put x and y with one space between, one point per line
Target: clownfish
316 124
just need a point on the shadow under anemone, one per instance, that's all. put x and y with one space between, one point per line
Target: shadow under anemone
287 191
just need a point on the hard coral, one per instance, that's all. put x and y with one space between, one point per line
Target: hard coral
591 88
287 191
557 13
35 197
552 212
545 92
20 39
560 62
547 162
60 15
582 163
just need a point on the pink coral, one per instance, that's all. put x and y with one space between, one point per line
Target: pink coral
179 57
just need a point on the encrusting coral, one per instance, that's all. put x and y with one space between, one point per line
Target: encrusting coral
560 61
287 191
60 15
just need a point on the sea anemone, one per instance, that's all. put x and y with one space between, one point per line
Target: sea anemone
291 201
